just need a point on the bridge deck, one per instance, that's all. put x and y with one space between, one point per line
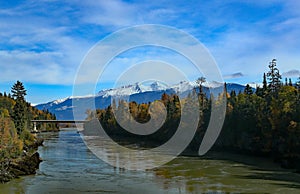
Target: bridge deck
58 121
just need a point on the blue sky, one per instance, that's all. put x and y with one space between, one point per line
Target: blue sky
43 42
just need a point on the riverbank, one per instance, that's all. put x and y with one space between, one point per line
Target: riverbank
27 164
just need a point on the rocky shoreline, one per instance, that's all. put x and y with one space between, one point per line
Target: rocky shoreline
27 164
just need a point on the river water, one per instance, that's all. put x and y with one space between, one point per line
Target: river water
69 167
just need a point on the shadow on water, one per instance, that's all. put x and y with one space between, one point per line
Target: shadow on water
284 179
228 173
262 169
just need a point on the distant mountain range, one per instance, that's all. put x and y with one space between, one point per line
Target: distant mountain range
140 93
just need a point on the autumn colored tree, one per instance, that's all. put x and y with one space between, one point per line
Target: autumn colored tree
12 141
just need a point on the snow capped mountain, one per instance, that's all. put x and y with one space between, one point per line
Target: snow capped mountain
139 92
213 84
155 86
255 85
60 100
132 89
136 88
183 86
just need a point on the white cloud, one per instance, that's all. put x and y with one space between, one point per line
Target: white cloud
30 66
291 73
234 75
113 13
36 47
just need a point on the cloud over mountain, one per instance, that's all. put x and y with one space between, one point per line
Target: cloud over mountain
234 75
291 73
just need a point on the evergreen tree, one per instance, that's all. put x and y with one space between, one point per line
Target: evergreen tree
232 94
248 90
274 77
19 110
225 89
18 91
259 91
200 81
265 84
290 82
298 84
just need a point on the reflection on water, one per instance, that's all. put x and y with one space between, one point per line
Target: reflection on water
195 175
69 167
130 157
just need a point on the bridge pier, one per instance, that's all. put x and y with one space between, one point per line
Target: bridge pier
34 127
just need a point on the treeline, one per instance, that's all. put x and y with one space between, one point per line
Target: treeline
15 125
139 113
265 122
262 121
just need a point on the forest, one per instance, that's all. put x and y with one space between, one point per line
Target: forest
16 139
262 121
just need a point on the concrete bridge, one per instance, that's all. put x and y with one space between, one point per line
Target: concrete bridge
54 121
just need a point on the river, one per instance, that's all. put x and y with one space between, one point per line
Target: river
69 167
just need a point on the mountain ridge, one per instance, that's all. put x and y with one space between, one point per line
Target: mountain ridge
141 93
